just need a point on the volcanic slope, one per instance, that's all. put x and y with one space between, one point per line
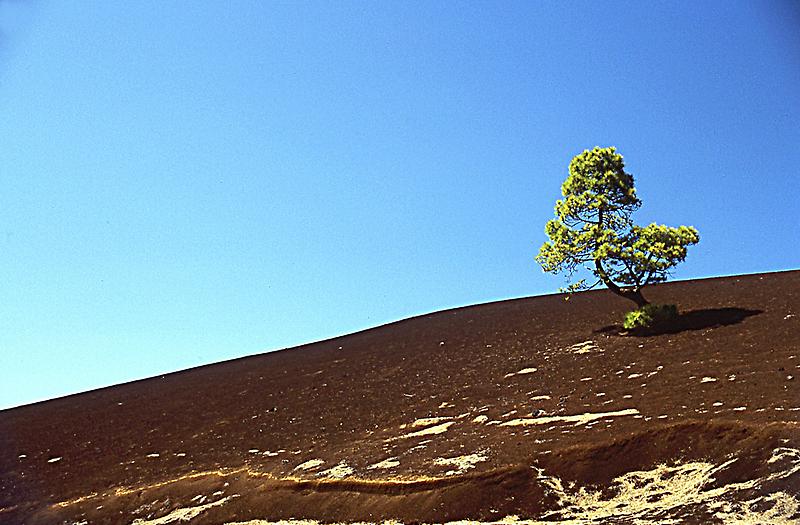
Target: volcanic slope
523 411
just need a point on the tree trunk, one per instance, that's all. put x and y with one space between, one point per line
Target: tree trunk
631 294
634 295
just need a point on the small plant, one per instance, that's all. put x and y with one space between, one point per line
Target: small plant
649 316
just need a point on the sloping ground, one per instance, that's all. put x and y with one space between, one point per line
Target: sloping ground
524 411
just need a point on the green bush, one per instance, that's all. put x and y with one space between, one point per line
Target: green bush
649 316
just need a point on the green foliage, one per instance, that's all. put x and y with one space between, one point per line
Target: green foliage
649 316
593 230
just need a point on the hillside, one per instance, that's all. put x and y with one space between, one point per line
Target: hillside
536 408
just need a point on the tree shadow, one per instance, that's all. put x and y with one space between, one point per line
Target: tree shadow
687 321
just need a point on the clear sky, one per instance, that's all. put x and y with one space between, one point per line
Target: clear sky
187 182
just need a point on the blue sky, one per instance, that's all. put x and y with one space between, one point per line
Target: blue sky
188 182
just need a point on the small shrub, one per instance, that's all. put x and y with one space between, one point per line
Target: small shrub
649 316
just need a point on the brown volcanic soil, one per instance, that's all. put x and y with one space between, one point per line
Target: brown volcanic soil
545 412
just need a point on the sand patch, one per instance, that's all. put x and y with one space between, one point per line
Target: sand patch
342 470
308 465
430 431
182 514
584 348
385 464
577 419
426 421
462 463
522 372
652 496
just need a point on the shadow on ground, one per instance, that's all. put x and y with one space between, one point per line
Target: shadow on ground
686 321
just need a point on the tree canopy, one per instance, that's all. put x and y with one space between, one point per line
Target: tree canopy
593 229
